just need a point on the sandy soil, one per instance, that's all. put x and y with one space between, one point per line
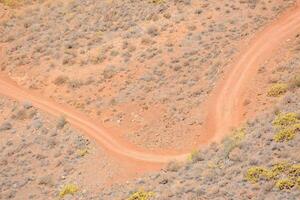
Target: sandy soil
38 157
225 110
143 70
128 156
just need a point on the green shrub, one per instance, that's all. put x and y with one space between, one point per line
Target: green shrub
141 195
277 90
68 189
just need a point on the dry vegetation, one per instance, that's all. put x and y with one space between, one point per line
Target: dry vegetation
256 165
259 161
42 157
144 67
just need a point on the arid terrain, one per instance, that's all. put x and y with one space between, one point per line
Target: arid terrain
159 99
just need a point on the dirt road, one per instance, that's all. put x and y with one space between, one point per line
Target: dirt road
224 105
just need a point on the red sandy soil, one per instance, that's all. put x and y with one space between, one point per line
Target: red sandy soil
225 106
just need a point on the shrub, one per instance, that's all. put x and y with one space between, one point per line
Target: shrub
279 168
82 152
285 184
233 141
294 170
68 189
284 120
295 82
287 124
60 80
194 156
298 182
10 3
277 90
61 122
173 166
141 195
286 175
285 134
253 174
157 1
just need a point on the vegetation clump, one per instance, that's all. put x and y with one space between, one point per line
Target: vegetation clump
285 184
286 175
233 141
295 82
82 152
285 134
68 189
287 124
193 156
256 173
284 120
141 195
157 1
277 90
10 3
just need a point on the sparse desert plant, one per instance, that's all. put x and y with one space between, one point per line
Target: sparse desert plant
60 80
287 124
173 166
20 114
68 189
284 120
157 1
10 3
255 173
141 195
61 122
82 152
5 126
295 82
194 156
285 174
75 84
233 141
277 89
153 31
294 171
285 134
285 184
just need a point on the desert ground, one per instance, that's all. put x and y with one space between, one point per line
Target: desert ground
141 100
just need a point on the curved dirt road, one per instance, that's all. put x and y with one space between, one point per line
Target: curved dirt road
224 105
